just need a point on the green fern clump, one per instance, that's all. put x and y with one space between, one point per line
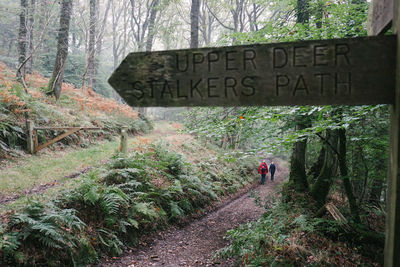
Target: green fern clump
143 124
135 160
172 162
45 228
260 241
120 176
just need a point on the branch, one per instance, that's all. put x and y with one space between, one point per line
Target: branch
220 22
328 143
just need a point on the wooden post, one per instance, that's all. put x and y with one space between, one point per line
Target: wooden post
123 148
30 145
35 139
392 244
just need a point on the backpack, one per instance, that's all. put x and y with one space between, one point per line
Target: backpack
263 168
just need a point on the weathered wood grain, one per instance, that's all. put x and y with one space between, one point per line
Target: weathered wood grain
352 71
392 243
123 147
58 138
30 144
380 16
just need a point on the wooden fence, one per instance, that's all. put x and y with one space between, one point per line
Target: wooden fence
33 145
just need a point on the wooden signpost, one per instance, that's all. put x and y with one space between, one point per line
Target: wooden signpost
330 72
354 71
381 16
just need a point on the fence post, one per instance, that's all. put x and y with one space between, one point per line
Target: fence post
123 148
30 145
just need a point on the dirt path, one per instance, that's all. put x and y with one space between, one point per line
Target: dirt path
195 244
5 199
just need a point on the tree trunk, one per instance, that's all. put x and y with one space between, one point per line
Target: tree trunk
345 176
319 14
376 190
303 14
150 37
92 43
298 176
194 24
316 168
152 20
99 46
22 38
358 170
29 67
55 82
321 187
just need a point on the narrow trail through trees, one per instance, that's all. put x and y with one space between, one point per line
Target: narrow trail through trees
196 243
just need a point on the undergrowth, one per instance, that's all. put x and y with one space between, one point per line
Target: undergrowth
288 235
110 208
76 107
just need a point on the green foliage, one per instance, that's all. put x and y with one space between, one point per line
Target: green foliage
287 235
252 241
112 207
172 162
47 228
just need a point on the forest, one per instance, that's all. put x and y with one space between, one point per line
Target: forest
182 188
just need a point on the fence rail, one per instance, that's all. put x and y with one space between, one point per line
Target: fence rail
33 142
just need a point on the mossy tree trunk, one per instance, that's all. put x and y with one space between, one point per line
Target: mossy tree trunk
57 78
376 190
316 168
92 43
297 177
22 38
345 176
303 14
29 67
322 185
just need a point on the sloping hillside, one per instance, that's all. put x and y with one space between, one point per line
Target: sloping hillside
76 107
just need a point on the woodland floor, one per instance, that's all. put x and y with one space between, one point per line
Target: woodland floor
196 243
193 244
36 175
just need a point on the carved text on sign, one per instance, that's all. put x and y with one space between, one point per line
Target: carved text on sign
313 72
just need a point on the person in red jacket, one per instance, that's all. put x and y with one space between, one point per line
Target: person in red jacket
263 170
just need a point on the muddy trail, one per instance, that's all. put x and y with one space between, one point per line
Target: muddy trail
5 199
196 243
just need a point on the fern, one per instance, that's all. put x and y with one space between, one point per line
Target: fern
175 210
110 242
42 227
92 196
145 209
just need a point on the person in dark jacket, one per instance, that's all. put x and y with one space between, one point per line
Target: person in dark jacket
263 170
272 170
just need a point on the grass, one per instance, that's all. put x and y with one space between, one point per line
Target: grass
44 197
36 170
47 167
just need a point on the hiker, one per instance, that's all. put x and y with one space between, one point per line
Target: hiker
263 170
272 170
